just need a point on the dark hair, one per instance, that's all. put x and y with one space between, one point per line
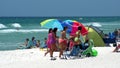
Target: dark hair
27 39
45 38
38 40
65 27
49 30
33 38
79 28
55 30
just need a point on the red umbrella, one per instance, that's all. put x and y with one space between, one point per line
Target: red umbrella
73 27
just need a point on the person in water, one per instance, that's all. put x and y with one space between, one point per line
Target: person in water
26 42
32 43
24 45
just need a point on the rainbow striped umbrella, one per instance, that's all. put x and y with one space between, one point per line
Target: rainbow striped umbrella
73 27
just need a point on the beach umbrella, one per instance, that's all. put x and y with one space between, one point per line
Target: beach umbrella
52 23
73 27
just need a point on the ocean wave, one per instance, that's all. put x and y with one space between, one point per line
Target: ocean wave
2 26
16 25
97 24
115 23
23 30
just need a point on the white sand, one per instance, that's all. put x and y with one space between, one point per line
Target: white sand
34 58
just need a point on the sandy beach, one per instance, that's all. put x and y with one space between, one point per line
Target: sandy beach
34 58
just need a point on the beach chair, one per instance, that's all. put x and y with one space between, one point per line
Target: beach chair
79 53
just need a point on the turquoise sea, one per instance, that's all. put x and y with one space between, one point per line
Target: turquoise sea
11 38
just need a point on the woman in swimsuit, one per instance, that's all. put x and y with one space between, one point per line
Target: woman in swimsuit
77 44
53 43
62 42
49 41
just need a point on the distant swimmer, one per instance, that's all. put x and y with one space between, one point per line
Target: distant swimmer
24 45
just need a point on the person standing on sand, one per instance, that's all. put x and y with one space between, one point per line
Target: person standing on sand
48 41
62 42
53 43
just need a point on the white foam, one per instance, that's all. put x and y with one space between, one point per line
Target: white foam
22 30
16 25
80 18
97 24
102 23
111 24
2 26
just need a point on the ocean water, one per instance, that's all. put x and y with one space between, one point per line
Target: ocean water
11 38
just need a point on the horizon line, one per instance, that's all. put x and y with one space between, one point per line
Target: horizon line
59 16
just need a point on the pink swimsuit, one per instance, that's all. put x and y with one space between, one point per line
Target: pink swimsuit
50 40
63 41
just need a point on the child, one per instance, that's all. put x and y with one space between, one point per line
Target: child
38 43
71 44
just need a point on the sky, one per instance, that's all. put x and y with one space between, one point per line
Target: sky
59 8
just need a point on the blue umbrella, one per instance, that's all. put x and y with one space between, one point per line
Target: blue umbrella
52 23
